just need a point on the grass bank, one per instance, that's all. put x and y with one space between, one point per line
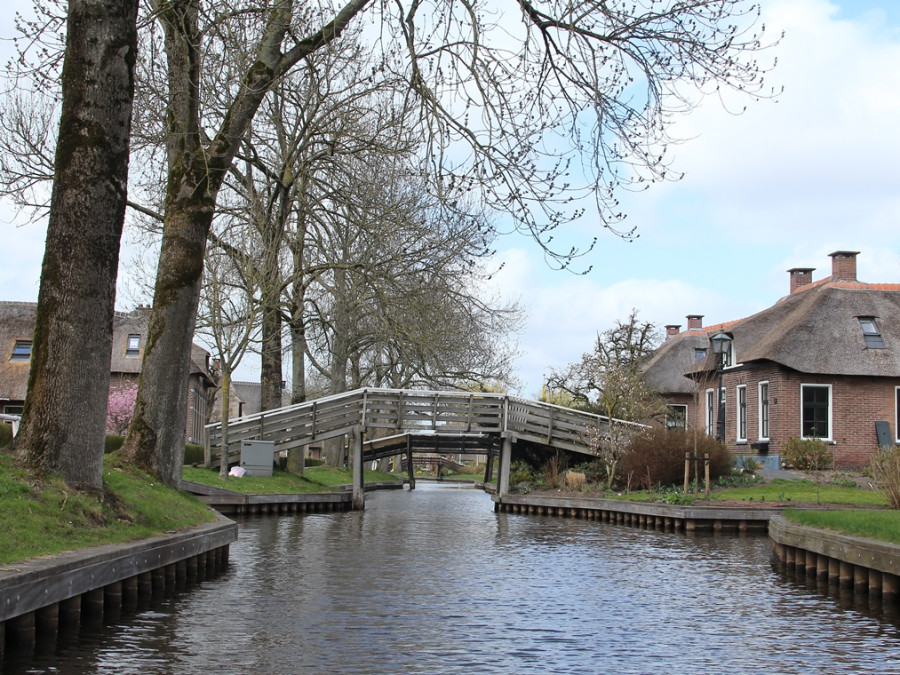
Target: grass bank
879 524
47 518
315 479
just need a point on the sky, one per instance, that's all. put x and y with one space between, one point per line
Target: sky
780 186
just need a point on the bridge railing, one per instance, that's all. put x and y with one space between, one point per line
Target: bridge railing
402 410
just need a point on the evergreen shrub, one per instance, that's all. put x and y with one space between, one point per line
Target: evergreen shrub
113 442
193 453
5 434
806 454
655 458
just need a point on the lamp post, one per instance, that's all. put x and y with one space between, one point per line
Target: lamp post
721 343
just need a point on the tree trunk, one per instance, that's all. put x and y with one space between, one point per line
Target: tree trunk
64 421
196 172
271 368
226 402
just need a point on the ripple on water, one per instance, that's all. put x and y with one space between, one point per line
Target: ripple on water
433 581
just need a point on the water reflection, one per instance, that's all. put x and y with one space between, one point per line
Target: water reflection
433 581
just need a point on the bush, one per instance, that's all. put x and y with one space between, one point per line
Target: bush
193 453
885 469
310 461
807 454
113 443
575 480
5 434
656 457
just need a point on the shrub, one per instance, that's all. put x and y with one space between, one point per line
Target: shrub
575 480
656 457
113 442
520 472
311 461
807 454
885 469
193 453
5 434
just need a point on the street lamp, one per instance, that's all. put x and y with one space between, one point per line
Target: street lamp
721 343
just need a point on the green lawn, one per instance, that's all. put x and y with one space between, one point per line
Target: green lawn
315 479
803 491
49 518
880 524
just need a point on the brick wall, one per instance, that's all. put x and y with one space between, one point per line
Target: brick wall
856 404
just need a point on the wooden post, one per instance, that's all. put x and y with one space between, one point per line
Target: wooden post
359 487
706 470
410 468
687 471
505 461
489 468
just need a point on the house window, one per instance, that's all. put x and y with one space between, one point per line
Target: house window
742 413
676 416
21 351
710 412
13 410
763 410
815 411
871 333
133 349
699 353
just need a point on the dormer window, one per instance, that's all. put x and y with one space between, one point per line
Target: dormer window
699 353
21 351
871 333
133 348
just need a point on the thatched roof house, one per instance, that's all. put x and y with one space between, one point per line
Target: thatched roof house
823 362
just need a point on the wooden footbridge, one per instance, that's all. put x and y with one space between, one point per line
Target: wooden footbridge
385 422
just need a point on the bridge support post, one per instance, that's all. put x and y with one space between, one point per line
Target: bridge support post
505 461
359 486
410 468
489 468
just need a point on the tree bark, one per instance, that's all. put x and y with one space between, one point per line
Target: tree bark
64 422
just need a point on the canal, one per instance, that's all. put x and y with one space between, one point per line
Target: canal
433 581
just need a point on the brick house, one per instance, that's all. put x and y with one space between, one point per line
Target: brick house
823 362
129 338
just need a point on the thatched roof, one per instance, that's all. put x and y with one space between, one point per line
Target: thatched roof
814 330
665 370
17 323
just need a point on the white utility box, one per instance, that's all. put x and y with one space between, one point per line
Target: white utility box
257 457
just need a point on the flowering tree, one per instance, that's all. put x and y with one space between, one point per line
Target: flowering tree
120 409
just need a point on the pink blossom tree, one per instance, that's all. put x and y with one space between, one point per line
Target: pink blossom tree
120 409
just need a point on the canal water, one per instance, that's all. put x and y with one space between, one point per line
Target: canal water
433 581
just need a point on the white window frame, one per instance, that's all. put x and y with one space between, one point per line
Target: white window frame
897 414
680 407
764 410
740 401
710 412
133 346
830 433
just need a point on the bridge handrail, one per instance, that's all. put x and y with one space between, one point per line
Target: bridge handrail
402 410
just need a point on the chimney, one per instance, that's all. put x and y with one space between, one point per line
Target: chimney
800 277
695 321
843 265
672 330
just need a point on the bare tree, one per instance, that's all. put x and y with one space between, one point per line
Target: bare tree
64 421
618 351
228 318
572 103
